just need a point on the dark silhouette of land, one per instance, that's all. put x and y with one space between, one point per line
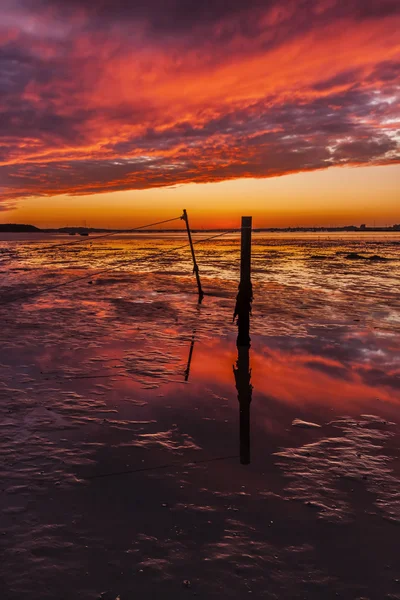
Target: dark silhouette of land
22 228
18 228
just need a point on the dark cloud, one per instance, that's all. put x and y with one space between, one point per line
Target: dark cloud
173 15
348 76
387 71
161 15
372 9
360 151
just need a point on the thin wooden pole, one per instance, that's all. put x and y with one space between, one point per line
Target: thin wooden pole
195 266
245 293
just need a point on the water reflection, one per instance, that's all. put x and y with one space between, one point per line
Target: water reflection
242 374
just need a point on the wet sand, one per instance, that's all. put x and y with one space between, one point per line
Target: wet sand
120 462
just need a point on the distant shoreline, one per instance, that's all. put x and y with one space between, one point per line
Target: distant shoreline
22 228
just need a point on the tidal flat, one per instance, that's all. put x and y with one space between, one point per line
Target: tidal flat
121 457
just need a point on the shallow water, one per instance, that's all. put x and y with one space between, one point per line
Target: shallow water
121 455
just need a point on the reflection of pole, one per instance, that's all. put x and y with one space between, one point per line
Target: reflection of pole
245 293
195 266
242 371
189 362
244 389
187 370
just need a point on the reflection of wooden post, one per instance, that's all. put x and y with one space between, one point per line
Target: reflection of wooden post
244 389
195 266
189 362
245 294
242 371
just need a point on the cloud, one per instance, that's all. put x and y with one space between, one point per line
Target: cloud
129 95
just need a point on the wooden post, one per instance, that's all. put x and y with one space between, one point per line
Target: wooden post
245 294
195 266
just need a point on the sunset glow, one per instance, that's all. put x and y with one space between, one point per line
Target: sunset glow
111 112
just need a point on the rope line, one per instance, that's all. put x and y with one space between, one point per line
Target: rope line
216 236
105 235
97 237
102 271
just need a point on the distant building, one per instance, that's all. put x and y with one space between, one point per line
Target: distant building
363 226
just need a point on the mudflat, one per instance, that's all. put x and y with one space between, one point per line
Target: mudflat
120 446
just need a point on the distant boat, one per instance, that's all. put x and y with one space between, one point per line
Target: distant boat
85 233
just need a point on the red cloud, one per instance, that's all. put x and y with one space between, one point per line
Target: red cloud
154 94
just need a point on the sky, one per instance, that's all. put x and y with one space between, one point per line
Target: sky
118 113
